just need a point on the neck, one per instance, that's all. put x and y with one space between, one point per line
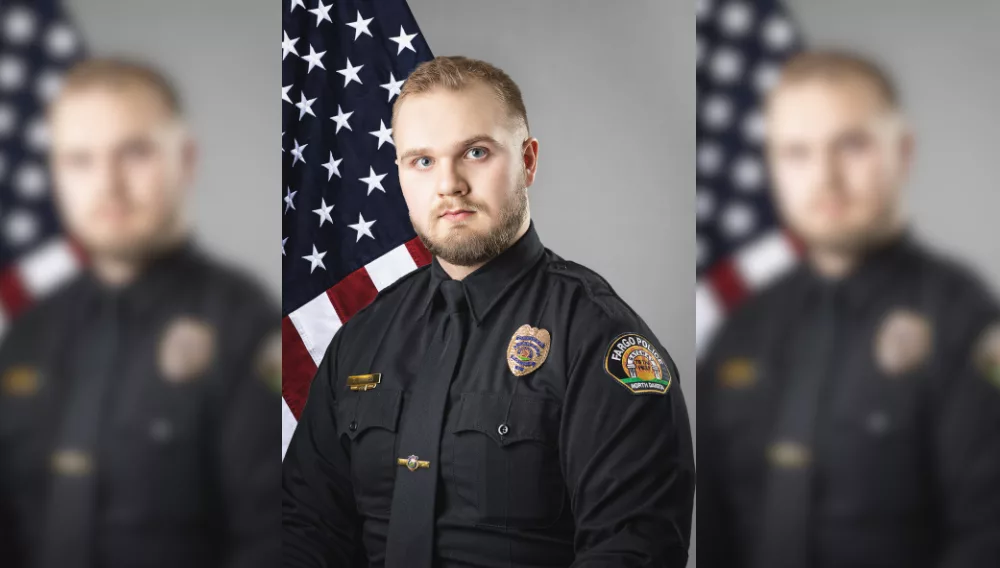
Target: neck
118 270
838 262
458 272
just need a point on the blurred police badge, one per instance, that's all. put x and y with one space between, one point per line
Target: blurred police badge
987 353
903 342
186 349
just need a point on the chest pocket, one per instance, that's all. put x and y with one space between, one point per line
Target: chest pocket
369 420
508 470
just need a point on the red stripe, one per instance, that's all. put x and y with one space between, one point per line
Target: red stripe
297 368
352 293
419 252
13 294
727 283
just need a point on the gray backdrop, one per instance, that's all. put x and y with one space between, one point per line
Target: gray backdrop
609 88
223 54
944 57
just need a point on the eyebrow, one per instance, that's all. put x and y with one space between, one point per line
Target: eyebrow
463 144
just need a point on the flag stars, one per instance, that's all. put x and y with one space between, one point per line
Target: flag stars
288 46
363 228
341 119
332 167
350 73
305 106
393 86
360 26
289 199
297 3
383 134
404 41
283 241
322 13
315 259
324 212
374 181
314 59
284 94
297 153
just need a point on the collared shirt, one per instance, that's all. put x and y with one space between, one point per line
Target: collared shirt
139 422
584 461
902 444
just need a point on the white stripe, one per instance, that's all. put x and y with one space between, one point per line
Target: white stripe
48 266
287 426
709 314
390 267
762 261
316 322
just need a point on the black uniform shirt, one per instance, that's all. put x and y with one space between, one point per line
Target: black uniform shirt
894 460
571 464
138 425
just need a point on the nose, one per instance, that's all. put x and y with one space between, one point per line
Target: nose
450 181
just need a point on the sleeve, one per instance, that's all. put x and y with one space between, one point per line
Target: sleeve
320 524
249 436
966 431
626 448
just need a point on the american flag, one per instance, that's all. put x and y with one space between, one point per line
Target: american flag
37 44
346 230
741 247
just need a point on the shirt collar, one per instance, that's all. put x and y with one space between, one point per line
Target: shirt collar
486 286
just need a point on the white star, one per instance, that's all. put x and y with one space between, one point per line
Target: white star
393 86
314 59
332 167
341 119
297 152
284 93
363 228
305 106
360 26
315 259
19 25
405 41
297 3
289 196
322 13
288 45
351 73
324 212
374 181
283 241
384 134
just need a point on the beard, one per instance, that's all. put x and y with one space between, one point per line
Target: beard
469 248
855 241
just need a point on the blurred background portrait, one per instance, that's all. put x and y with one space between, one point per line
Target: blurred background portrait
140 353
847 322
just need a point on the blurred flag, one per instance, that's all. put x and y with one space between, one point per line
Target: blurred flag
346 229
741 248
37 45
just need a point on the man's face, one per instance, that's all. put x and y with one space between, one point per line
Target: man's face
838 158
121 163
464 167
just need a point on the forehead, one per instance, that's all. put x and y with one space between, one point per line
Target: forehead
95 112
443 116
820 106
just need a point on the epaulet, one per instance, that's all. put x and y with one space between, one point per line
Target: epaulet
593 283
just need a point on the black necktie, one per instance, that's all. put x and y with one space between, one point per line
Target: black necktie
72 502
787 535
411 524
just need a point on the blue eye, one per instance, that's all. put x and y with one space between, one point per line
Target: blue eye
423 162
476 153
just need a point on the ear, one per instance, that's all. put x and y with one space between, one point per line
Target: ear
529 157
906 150
189 160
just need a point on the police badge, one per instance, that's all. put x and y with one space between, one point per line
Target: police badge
527 350
186 349
903 342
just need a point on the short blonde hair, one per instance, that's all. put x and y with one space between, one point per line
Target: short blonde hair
837 65
117 72
456 73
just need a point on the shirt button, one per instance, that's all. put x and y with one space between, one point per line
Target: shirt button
353 427
503 429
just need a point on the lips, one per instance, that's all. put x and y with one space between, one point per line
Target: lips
456 214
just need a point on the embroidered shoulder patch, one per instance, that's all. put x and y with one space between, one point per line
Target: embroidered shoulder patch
986 354
636 365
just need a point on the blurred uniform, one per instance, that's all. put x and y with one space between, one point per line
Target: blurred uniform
524 416
855 423
138 425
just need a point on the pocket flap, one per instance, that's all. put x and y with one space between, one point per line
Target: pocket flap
360 411
530 418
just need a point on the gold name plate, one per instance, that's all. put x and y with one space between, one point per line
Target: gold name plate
363 382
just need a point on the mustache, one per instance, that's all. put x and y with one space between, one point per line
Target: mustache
463 204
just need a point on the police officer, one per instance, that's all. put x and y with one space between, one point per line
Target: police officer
850 413
500 407
137 403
